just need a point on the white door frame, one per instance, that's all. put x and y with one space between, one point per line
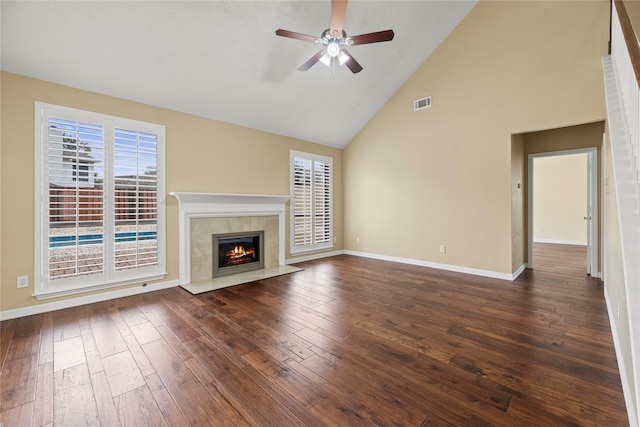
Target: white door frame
592 214
603 200
592 205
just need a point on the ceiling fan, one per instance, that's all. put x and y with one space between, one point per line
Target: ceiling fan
335 40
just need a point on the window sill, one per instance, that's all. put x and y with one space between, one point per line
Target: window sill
43 295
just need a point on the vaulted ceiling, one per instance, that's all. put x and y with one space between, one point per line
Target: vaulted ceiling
222 59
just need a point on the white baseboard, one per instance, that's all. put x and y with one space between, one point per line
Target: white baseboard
447 267
519 271
626 387
86 299
561 242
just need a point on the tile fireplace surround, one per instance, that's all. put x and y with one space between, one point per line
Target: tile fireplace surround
203 214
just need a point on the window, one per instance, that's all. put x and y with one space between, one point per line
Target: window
83 176
99 200
311 205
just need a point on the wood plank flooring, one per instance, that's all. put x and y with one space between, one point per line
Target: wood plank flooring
562 259
348 341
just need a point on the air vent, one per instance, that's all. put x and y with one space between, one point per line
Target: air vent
421 103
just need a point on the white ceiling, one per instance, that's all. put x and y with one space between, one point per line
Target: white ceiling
222 59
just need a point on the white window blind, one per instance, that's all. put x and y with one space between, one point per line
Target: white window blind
136 201
311 207
100 216
76 200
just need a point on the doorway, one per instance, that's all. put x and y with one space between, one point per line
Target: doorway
562 208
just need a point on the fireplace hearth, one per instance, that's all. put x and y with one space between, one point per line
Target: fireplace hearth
237 252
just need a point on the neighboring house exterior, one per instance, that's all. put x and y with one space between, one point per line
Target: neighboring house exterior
75 164
76 172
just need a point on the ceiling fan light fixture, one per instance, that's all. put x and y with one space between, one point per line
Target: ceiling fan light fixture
342 58
325 59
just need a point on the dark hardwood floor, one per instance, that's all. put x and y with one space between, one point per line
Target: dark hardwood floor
348 341
562 259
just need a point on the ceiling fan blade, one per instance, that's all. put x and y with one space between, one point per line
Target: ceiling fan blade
338 12
312 61
294 35
351 63
380 36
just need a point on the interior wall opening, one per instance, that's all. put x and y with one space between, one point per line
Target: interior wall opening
577 139
561 217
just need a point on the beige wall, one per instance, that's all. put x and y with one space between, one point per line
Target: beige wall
415 180
200 153
560 199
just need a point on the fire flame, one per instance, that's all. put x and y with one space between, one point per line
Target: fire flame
239 252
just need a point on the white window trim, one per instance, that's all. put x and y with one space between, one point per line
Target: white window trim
42 287
313 247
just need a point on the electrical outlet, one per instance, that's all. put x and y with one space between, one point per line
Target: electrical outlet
335 239
443 249
618 314
22 281
358 239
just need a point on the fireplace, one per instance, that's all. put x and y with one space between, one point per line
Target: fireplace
237 252
203 214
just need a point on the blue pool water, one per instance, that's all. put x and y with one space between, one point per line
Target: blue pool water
93 239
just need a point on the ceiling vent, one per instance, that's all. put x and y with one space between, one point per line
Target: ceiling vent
422 103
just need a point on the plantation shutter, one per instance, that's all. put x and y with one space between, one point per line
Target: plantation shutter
75 207
302 192
322 202
311 211
135 202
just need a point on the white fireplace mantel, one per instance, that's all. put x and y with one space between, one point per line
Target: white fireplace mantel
225 201
203 205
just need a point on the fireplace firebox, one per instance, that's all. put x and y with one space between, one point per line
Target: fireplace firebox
237 252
